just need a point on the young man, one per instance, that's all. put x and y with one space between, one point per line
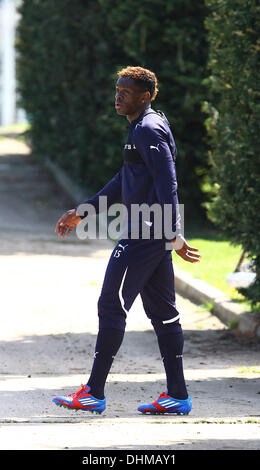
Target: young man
138 265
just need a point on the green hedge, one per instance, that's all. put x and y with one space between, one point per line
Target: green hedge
234 124
68 56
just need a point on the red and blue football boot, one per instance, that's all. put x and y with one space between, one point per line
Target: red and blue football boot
81 400
167 404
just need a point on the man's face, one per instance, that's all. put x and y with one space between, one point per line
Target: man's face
129 99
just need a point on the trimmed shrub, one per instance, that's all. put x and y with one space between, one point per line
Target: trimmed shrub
68 56
233 124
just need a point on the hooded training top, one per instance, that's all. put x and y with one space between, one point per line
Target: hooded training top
148 174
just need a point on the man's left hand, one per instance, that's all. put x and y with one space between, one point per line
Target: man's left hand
185 251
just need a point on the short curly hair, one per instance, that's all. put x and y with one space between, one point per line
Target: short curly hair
146 79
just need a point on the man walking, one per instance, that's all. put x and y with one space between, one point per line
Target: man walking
138 264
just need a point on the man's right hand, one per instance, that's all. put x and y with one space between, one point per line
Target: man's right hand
67 223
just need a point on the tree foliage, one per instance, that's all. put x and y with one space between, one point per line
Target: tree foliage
68 56
233 123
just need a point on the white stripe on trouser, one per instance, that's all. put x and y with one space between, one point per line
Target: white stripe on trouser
120 292
172 319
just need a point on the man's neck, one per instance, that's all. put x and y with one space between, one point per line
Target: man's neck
134 116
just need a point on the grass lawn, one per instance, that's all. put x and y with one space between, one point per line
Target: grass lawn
219 258
16 131
15 128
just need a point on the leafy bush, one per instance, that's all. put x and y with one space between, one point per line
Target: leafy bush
233 124
68 56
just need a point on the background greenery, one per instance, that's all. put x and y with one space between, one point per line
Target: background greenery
206 56
234 124
69 54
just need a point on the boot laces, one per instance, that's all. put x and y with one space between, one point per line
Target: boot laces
163 395
80 392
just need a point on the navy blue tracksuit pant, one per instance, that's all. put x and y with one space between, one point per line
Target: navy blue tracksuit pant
139 267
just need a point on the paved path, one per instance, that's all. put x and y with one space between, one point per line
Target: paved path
49 292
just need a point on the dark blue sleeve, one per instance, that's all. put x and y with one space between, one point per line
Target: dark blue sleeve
112 190
151 142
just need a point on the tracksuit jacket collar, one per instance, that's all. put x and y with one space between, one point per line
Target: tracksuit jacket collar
140 117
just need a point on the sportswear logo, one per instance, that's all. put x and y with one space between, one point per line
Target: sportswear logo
118 252
123 246
87 401
130 147
168 403
155 147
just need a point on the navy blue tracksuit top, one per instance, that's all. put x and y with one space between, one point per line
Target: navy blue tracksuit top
148 173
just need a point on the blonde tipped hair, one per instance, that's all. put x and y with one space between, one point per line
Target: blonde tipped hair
145 78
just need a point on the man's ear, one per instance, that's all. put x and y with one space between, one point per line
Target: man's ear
146 96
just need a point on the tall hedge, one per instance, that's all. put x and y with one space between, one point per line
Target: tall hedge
234 124
68 56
